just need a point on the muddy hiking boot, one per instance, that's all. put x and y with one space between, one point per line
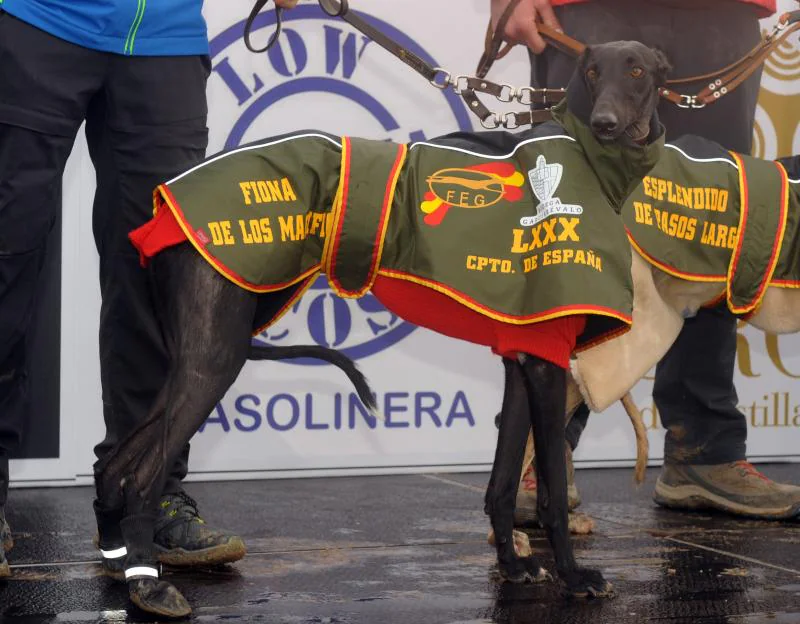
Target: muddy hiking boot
737 488
6 543
525 513
183 539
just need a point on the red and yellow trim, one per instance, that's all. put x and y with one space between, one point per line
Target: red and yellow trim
386 213
785 201
776 244
713 303
234 277
744 195
329 236
598 340
473 305
339 201
383 223
785 283
692 277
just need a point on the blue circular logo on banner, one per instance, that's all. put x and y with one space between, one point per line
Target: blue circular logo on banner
353 84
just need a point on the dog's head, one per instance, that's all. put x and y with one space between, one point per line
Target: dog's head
622 80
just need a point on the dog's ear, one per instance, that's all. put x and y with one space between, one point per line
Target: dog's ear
661 68
583 59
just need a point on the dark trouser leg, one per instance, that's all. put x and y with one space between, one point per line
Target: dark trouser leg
150 127
45 84
695 395
694 390
13 385
4 480
576 425
31 165
696 41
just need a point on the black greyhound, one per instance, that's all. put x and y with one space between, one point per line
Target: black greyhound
207 324
622 80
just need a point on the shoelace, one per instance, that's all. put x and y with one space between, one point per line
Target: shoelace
189 504
749 469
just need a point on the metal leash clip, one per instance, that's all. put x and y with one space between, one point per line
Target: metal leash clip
690 101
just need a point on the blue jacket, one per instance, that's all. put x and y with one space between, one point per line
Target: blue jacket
130 27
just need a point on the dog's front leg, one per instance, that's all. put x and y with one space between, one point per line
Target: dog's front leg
502 490
546 385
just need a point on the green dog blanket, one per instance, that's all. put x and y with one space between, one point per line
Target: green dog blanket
518 229
705 214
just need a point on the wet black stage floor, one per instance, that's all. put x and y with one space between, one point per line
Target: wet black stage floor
412 549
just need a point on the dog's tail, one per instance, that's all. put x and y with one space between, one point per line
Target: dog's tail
332 356
642 444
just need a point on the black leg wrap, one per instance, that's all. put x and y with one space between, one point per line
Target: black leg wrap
138 531
145 589
108 525
111 541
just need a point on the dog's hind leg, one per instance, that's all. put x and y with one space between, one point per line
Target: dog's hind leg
207 322
546 385
502 490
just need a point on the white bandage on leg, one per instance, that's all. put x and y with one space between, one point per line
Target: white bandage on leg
141 572
116 553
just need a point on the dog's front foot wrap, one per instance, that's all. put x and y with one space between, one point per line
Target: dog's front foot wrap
523 570
157 597
145 589
587 583
110 541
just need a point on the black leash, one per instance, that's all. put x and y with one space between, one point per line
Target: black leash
465 86
248 27
341 8
720 82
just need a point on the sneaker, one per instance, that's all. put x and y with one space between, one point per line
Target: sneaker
183 539
736 488
525 513
6 544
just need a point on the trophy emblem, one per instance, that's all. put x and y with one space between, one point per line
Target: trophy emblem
545 178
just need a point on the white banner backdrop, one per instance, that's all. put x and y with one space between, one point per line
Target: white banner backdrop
439 396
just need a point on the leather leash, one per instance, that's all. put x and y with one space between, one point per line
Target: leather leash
719 83
465 86
728 78
248 27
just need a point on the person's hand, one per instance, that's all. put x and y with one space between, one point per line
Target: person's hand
521 26
286 4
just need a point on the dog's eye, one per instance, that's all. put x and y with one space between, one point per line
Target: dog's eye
637 72
591 75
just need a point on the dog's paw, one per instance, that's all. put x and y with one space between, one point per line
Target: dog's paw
580 524
523 570
522 543
586 583
158 598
